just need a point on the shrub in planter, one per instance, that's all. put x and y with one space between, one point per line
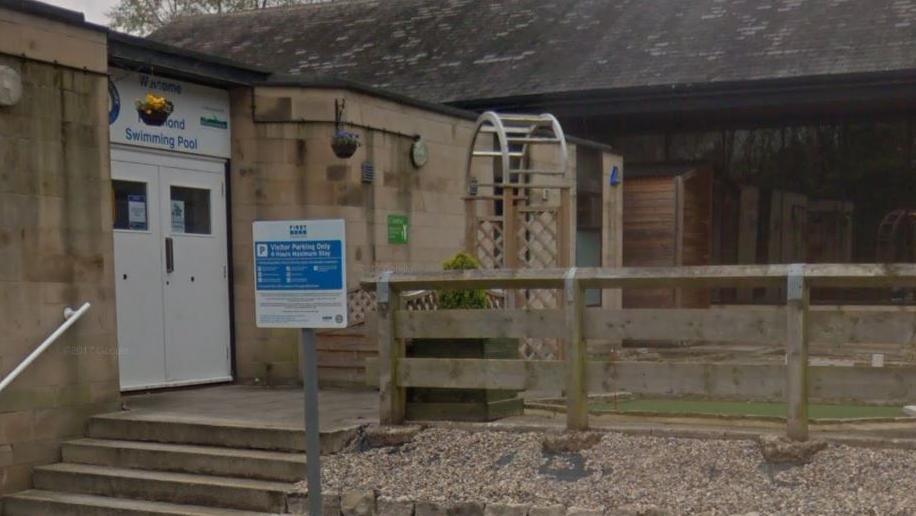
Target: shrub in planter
345 144
462 404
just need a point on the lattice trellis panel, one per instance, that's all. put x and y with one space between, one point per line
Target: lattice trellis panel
534 348
359 303
490 243
538 238
539 248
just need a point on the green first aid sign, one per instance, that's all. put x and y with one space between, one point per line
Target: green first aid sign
397 229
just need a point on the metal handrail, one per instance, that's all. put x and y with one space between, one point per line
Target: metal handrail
70 317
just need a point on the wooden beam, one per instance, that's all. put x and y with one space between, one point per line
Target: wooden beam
750 325
763 382
510 231
470 227
868 275
763 325
566 229
480 324
468 373
836 328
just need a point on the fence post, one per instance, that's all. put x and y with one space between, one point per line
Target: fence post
576 387
797 298
392 397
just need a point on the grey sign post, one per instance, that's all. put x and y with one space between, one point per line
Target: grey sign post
312 431
301 282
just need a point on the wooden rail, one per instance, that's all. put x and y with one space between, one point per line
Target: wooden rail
795 326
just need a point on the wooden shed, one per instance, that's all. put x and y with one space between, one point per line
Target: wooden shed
667 219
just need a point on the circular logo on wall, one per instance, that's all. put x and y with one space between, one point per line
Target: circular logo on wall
114 103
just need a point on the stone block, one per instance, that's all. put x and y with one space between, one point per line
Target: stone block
330 504
583 511
637 510
357 503
383 436
782 450
6 455
466 509
547 510
505 509
428 508
396 506
570 442
15 426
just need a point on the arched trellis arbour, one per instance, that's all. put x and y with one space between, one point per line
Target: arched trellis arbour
519 203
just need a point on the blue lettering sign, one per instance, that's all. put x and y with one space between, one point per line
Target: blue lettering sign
297 265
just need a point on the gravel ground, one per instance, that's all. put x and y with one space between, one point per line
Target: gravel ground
683 476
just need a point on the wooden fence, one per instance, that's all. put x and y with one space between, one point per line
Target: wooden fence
794 326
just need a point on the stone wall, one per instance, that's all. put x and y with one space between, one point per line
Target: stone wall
55 240
283 168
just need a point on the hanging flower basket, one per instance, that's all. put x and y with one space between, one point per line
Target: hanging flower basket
154 110
345 144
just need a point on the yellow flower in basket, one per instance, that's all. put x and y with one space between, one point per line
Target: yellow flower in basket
154 109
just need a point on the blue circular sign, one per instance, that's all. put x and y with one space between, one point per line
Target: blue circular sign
114 102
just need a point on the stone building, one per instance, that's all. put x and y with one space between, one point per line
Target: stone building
149 218
55 233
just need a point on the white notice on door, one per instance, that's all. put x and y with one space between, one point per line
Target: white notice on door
177 216
136 212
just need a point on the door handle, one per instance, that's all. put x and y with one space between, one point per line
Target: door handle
169 255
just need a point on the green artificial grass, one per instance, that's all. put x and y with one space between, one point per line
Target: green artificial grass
738 408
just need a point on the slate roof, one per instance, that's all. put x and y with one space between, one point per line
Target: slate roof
452 50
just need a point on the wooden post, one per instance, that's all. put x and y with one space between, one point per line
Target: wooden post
510 243
566 229
392 397
470 226
797 294
612 234
576 386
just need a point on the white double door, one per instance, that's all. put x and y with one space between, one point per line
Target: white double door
171 266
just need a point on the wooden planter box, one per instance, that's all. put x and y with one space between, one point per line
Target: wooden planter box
426 404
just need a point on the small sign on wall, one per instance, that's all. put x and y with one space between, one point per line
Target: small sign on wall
398 226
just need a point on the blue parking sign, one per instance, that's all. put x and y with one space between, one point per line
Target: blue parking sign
300 273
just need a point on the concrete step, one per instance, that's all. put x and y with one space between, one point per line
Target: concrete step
37 502
185 458
157 427
169 487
